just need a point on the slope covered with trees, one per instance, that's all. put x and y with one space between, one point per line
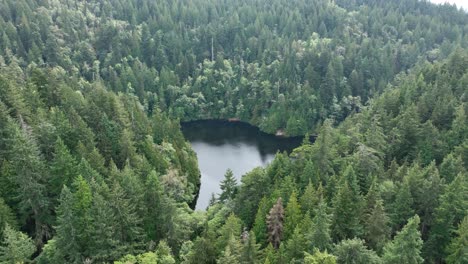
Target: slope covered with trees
94 168
276 64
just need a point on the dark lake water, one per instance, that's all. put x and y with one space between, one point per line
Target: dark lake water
222 145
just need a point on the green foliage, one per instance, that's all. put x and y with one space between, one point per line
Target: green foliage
406 245
319 258
16 247
354 251
292 216
94 167
320 232
457 249
260 224
346 213
228 187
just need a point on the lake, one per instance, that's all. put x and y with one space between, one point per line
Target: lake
222 145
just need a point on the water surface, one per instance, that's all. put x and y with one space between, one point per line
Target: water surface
221 145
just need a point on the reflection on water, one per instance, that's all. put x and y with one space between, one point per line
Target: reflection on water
221 145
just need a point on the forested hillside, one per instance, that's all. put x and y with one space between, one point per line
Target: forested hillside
277 64
94 168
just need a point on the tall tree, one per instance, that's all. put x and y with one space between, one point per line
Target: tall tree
292 216
16 247
275 224
458 248
228 187
30 176
354 251
377 230
346 213
320 233
405 248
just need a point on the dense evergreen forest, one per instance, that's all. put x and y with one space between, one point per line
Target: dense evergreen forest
94 167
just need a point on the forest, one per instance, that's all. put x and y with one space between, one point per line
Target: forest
95 169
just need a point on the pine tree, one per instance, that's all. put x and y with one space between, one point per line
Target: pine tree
458 248
16 247
232 252
127 225
228 187
296 245
164 253
354 251
451 211
232 227
450 167
103 245
402 208
377 230
346 213
260 225
250 249
82 201
406 245
30 177
68 244
63 167
319 258
275 223
269 254
6 217
152 200
310 199
320 235
292 216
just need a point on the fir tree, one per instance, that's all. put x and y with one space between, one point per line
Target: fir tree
16 247
292 216
320 233
354 251
260 224
346 213
458 248
377 230
405 248
228 187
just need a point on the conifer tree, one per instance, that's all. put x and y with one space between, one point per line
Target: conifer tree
346 213
292 216
377 230
310 199
250 249
402 208
68 241
152 200
232 227
458 248
228 187
63 168
354 251
296 245
6 217
30 176
260 224
232 252
320 233
451 210
16 247
319 258
405 248
275 224
164 253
